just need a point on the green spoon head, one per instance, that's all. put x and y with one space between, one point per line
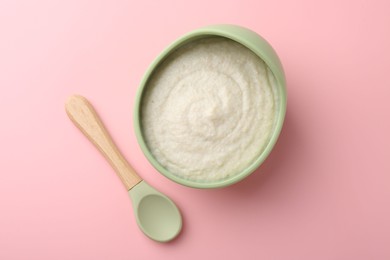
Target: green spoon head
157 216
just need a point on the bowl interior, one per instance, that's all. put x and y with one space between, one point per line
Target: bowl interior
260 51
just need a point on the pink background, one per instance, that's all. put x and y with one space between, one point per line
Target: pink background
324 193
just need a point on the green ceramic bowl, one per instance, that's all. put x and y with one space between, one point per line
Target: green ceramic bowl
253 42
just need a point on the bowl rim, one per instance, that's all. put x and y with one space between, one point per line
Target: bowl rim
247 38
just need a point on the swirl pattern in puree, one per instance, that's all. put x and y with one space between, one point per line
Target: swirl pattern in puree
209 110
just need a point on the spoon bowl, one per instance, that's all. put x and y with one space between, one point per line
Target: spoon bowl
153 208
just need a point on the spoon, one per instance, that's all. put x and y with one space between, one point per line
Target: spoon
156 215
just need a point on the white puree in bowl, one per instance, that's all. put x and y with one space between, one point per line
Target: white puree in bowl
209 110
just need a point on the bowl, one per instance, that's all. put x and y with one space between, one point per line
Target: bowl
250 40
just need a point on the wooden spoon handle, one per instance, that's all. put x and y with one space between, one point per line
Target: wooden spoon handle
84 116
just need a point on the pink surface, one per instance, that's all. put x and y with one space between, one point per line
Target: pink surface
324 193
